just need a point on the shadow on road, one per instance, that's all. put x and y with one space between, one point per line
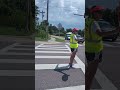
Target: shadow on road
61 69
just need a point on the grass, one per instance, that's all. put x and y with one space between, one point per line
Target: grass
12 31
39 39
59 40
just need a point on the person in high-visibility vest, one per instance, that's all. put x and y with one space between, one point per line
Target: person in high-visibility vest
73 45
93 43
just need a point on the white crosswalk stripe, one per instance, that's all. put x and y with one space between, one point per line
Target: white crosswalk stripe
78 44
51 52
13 51
56 49
53 66
51 47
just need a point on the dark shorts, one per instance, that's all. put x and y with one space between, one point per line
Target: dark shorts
93 56
74 49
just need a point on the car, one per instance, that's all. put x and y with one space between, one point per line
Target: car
81 39
67 36
105 27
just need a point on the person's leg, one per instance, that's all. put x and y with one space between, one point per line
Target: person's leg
72 56
90 73
91 68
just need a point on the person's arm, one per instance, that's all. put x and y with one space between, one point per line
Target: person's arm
103 34
75 37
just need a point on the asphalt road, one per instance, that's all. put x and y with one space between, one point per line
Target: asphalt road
52 70
17 66
17 62
111 63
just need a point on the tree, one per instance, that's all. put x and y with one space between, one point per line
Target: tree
81 32
50 29
13 12
69 30
37 11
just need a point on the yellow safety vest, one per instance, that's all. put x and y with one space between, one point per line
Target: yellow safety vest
93 42
73 42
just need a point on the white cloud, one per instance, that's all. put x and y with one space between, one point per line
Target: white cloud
62 11
74 9
62 3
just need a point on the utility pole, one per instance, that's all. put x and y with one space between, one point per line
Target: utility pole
47 18
47 9
42 14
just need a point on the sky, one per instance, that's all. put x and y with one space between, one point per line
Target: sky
62 11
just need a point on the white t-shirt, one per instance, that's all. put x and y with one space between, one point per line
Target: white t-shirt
75 37
96 26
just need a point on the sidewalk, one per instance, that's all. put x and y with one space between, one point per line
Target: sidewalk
19 39
57 37
51 41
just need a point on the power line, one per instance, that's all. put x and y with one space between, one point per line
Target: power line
42 14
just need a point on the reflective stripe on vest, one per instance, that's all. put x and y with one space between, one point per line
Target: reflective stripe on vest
93 42
72 40
90 32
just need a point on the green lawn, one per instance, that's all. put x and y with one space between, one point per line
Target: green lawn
12 31
39 39
59 40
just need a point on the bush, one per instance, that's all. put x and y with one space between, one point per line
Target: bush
42 34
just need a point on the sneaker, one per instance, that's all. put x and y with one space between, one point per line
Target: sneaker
70 65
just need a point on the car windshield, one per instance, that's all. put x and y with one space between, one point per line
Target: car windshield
105 25
68 35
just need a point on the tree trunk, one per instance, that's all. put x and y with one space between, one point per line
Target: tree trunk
28 4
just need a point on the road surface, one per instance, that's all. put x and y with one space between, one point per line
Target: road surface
52 70
21 62
17 66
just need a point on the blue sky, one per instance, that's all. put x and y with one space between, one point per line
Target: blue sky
62 11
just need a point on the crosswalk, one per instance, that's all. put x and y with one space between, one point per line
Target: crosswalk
45 62
56 58
17 60
17 66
